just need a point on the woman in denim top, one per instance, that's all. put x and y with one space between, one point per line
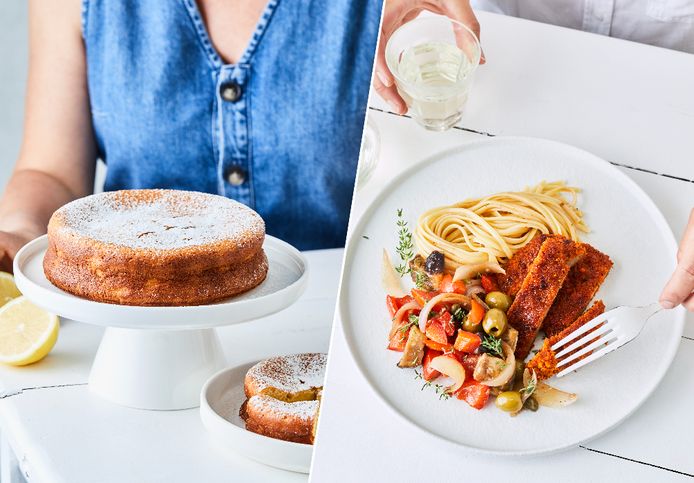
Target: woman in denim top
259 101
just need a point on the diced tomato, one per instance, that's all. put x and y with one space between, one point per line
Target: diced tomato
489 283
399 339
438 346
469 362
447 285
476 312
399 332
474 393
428 373
394 303
436 331
422 296
446 320
467 342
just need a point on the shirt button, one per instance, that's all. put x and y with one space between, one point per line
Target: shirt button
230 91
236 176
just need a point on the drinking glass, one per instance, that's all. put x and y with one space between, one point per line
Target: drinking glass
433 60
368 158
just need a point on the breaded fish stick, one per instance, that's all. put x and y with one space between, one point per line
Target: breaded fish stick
540 287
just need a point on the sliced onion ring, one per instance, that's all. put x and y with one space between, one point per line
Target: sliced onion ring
442 297
397 318
509 369
551 397
473 289
389 279
450 367
465 272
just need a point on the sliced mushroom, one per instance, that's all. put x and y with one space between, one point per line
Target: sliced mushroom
414 349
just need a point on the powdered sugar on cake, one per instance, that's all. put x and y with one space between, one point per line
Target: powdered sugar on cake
293 373
166 219
300 409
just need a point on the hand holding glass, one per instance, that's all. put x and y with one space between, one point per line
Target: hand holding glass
433 60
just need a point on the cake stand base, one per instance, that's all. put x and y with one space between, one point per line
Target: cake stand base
155 369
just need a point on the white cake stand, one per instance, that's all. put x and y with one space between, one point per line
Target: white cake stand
160 357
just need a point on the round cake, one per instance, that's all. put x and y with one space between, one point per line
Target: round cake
284 396
155 248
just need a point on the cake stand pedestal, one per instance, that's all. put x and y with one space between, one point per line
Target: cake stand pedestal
160 357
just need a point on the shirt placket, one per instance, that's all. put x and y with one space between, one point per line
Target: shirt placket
597 16
232 130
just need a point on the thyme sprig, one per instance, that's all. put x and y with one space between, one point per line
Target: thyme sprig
493 345
405 248
441 390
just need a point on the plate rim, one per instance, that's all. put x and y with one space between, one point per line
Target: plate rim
209 415
288 294
342 308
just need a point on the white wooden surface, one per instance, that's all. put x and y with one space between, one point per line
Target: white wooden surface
65 434
628 103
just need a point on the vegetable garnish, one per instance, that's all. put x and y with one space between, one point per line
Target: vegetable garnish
458 313
492 345
412 320
405 248
420 280
530 387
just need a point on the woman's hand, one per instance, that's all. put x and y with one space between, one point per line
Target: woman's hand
680 288
399 12
10 243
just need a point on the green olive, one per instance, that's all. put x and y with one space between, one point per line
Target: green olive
495 322
470 327
498 300
509 401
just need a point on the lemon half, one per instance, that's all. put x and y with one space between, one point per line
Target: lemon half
8 290
27 332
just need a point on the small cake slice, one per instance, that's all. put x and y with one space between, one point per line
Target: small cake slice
284 395
545 363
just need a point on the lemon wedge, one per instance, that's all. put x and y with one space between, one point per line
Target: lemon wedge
8 290
27 333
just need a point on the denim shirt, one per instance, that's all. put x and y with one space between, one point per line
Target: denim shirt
279 130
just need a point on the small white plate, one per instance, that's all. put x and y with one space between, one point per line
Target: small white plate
220 400
285 282
625 224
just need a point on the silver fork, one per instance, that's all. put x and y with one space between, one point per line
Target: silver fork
610 331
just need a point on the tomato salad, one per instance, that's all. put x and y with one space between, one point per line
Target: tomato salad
457 328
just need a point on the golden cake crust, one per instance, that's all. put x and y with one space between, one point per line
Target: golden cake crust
281 420
155 247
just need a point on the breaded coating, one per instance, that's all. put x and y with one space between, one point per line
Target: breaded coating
517 266
545 363
581 285
545 277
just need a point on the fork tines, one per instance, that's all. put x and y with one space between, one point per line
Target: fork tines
577 349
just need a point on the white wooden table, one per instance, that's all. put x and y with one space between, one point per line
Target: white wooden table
60 432
630 104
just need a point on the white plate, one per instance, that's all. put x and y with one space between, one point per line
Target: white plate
285 282
220 401
625 224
